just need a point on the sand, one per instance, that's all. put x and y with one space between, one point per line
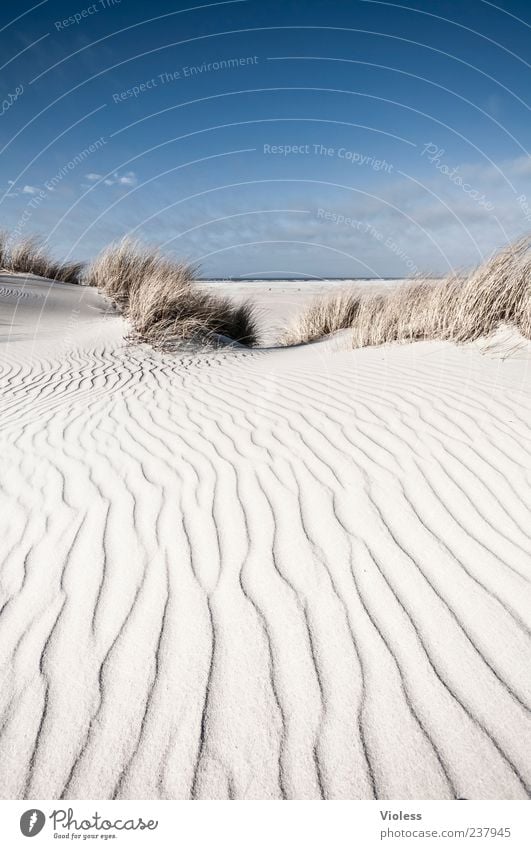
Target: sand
294 574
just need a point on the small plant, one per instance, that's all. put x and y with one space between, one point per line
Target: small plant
457 308
163 300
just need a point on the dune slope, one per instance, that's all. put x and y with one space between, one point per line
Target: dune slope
286 574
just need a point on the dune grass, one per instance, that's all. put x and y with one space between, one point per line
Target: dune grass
457 308
167 305
122 266
164 302
28 256
323 316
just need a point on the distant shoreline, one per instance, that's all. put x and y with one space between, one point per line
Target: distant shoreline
300 279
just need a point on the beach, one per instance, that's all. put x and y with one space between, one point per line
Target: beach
269 573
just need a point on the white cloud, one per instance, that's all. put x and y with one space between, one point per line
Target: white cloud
432 224
30 190
127 179
92 177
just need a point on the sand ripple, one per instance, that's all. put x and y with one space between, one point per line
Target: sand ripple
304 575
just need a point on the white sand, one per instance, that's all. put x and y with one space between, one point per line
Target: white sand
297 573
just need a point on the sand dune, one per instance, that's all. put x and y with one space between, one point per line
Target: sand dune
291 574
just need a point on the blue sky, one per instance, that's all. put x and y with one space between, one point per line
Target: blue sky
312 138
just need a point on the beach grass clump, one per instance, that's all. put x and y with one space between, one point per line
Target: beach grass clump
164 301
121 266
497 292
323 317
458 308
29 256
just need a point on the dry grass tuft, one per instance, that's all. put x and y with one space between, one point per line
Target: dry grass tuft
163 300
322 317
458 308
28 256
120 267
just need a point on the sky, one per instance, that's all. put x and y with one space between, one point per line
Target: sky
311 139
